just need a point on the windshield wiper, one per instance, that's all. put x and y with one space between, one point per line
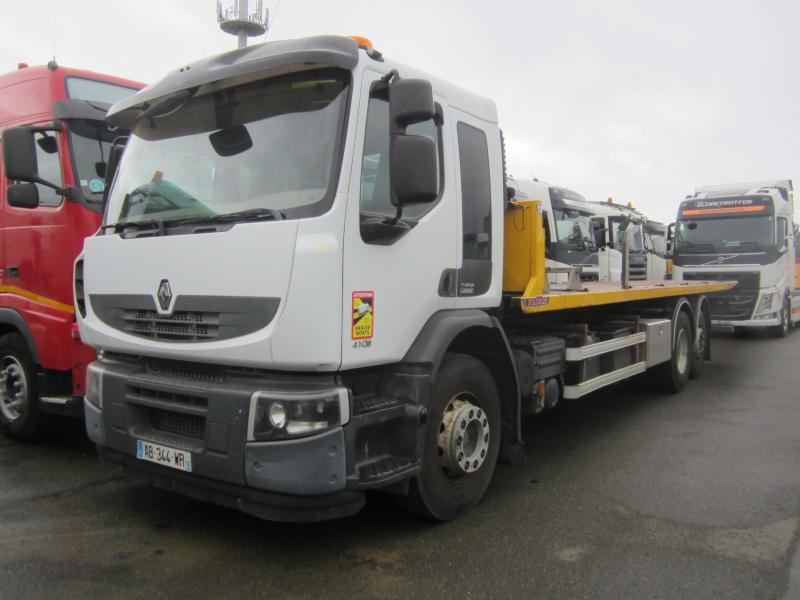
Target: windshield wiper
153 224
253 214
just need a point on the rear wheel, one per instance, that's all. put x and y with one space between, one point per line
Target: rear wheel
701 341
462 439
672 375
20 413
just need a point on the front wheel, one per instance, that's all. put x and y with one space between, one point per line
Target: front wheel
20 414
785 328
462 440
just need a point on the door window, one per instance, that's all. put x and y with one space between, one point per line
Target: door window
476 192
375 185
49 168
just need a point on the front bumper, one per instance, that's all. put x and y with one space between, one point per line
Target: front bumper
322 476
261 504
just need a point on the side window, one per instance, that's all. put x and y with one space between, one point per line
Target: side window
475 193
547 241
49 168
375 188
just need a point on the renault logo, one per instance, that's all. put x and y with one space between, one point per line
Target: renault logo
164 294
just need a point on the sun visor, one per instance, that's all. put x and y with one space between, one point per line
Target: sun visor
80 109
327 51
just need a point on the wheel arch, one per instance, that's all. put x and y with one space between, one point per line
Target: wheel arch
480 335
12 322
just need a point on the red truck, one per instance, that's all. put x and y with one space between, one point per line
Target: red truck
42 360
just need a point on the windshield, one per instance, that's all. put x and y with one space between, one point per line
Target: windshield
270 146
634 232
89 143
574 229
730 235
81 88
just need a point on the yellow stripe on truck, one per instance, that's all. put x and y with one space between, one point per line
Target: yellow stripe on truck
12 289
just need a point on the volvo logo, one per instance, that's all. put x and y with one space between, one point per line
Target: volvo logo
164 294
719 260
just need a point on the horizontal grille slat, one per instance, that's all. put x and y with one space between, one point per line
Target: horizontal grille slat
183 325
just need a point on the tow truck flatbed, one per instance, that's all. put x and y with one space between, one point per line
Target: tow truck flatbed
596 293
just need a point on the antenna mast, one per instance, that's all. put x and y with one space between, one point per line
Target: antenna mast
237 20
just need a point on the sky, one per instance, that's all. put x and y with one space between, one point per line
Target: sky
635 100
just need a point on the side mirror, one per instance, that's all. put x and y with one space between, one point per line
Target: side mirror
599 232
410 101
670 236
19 154
413 170
22 195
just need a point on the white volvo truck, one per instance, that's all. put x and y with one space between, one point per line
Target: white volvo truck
310 283
569 237
742 232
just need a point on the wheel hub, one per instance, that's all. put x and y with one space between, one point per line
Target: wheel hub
13 389
463 437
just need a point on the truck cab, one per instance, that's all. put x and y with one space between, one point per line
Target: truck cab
61 112
569 238
644 261
745 232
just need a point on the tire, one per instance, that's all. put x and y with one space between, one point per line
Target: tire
785 328
702 338
440 492
672 375
20 413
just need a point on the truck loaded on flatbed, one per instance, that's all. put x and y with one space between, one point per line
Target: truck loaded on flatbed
311 281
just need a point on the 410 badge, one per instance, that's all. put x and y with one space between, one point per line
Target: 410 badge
363 319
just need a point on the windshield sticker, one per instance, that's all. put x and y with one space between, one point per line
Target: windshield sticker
363 315
97 186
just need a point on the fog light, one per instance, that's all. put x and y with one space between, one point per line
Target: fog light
276 415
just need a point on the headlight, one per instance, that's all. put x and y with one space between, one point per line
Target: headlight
280 415
765 304
94 384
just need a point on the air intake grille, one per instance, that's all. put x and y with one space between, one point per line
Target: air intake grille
189 426
731 305
180 326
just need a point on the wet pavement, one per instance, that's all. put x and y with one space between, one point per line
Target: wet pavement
627 494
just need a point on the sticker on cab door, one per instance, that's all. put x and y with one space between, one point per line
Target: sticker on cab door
363 315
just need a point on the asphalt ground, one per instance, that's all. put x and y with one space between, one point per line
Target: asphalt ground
626 494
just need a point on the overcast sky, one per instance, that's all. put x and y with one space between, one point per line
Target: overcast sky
639 101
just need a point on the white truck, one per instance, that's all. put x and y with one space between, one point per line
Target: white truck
569 237
310 283
742 232
645 263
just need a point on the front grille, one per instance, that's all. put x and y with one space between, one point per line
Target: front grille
174 369
180 325
736 304
145 394
180 424
589 276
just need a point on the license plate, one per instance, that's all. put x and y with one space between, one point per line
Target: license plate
162 455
